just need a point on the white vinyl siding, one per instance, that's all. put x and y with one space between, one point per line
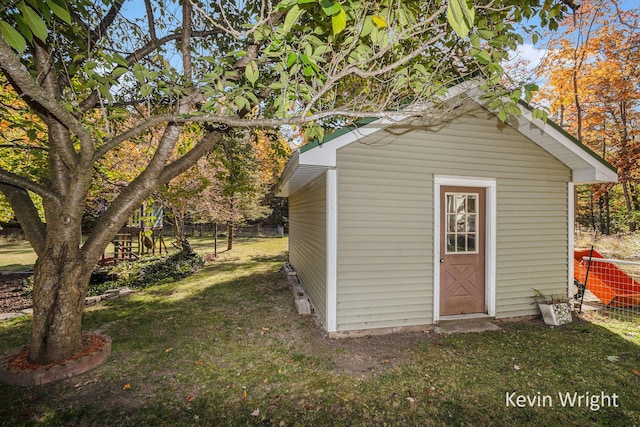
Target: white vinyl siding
307 241
385 218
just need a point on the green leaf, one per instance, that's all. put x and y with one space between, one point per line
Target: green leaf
146 90
242 102
120 60
475 41
307 70
118 72
540 114
291 59
252 72
483 57
330 7
22 27
339 22
34 21
12 37
460 16
535 37
485 34
292 17
367 27
60 10
502 115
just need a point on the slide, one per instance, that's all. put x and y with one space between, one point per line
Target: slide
611 285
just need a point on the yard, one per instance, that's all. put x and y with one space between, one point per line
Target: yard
226 347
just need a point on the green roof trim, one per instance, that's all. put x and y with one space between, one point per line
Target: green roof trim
573 139
338 133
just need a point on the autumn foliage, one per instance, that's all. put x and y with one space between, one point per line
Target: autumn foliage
592 90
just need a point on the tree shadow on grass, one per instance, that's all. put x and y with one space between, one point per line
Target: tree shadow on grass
233 351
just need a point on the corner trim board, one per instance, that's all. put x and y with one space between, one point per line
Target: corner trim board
332 249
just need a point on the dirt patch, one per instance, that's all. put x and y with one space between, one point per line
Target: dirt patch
365 356
12 297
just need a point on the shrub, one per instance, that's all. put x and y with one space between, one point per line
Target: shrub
149 271
146 272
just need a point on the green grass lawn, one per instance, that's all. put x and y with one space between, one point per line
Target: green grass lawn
226 347
16 256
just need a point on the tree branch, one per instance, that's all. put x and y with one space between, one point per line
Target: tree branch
12 66
27 215
59 137
175 168
186 42
105 22
10 178
150 21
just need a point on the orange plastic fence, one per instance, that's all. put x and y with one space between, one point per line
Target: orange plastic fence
607 282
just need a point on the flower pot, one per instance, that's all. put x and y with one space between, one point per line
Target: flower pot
555 314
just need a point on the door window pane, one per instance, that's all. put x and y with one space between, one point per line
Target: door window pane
451 243
461 222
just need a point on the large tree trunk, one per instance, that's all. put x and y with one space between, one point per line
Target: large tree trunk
61 279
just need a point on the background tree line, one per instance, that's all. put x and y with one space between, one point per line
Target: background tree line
592 89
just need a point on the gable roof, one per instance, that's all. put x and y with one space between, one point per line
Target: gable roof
313 159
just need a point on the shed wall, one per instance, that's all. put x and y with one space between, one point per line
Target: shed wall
307 241
385 218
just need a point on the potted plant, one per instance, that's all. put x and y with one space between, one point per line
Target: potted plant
554 308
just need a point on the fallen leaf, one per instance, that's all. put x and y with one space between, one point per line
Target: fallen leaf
168 350
255 413
244 393
282 424
411 400
635 372
265 329
190 398
197 362
613 358
127 386
266 380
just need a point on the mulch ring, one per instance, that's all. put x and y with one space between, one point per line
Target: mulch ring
12 297
90 344
17 370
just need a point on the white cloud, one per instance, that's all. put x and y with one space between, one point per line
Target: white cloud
524 60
